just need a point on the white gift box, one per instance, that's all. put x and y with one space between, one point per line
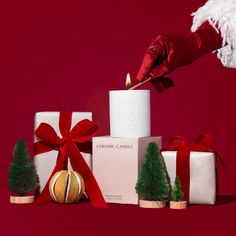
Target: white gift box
46 162
116 166
202 175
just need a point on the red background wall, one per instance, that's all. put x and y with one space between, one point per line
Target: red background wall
58 56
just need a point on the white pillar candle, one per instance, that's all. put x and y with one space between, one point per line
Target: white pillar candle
129 113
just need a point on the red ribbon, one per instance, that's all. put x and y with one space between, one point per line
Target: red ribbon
68 147
177 143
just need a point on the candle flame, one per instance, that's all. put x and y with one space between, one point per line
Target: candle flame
128 81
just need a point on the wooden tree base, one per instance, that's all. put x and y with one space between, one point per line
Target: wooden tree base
178 205
152 204
21 200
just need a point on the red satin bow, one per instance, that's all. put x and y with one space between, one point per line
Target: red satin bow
177 143
67 147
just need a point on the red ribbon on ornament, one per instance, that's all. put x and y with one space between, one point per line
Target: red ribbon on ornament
177 143
68 147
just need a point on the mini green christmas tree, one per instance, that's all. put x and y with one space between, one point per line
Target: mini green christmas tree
22 172
153 183
177 194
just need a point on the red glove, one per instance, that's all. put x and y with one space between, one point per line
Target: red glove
167 52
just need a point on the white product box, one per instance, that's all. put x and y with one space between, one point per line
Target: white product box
116 166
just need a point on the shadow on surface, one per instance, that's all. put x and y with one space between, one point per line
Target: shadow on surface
225 199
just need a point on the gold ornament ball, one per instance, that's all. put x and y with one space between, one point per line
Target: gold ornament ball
66 186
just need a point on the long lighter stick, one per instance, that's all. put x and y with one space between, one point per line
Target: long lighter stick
140 83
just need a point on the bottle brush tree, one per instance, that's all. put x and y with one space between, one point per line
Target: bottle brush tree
177 194
22 176
153 182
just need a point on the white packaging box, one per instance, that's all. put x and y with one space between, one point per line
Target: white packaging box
202 188
116 166
46 162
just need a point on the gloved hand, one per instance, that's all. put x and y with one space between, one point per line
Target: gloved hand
168 52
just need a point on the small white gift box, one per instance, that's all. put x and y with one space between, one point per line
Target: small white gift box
203 185
45 162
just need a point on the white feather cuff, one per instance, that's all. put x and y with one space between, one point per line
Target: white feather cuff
222 16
